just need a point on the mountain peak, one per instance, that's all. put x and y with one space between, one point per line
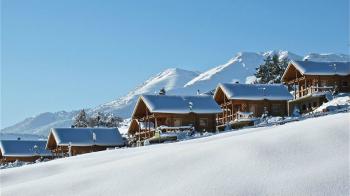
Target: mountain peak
240 68
327 57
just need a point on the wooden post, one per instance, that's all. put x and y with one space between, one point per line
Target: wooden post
299 88
155 124
305 90
139 132
295 90
147 124
232 109
224 114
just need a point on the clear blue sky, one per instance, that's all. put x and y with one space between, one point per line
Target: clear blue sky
72 54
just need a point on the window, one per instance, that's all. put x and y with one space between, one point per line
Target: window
238 107
252 108
304 107
345 83
203 122
276 108
168 121
315 104
177 122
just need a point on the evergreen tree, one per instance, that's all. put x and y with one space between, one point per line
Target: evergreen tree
162 91
98 119
80 120
272 70
113 121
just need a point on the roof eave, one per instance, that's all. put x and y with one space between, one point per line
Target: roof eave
295 65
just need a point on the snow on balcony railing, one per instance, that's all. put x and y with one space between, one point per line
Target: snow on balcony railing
313 89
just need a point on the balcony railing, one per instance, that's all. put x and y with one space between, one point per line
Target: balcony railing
313 90
222 120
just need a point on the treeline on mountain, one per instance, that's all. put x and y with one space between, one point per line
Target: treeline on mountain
96 120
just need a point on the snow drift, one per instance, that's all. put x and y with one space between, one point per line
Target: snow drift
309 157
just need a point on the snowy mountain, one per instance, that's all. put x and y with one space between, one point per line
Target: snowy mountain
330 57
170 80
307 157
175 81
41 123
241 68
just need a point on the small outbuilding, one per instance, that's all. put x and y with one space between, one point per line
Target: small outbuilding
73 141
172 112
255 99
23 150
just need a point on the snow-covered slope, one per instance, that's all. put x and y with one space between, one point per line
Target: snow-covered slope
329 57
240 68
170 80
41 123
339 102
176 81
309 157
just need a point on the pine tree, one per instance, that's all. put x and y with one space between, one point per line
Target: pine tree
80 120
272 70
162 91
263 73
96 120
113 121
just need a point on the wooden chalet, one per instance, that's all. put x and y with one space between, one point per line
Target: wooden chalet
313 81
23 150
250 100
73 141
171 113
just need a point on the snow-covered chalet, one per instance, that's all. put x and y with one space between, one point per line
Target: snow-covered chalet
244 102
172 112
312 82
73 141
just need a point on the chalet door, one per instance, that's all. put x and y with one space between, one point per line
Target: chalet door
161 121
276 109
252 108
177 122
203 124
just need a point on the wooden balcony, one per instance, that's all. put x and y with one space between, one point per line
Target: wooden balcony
223 120
313 90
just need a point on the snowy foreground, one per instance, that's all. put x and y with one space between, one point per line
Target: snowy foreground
309 157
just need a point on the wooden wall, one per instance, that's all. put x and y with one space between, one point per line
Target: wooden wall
274 108
187 119
59 150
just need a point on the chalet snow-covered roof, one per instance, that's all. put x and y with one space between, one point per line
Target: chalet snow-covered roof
201 104
24 148
86 136
255 91
322 68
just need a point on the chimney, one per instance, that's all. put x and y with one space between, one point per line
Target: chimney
190 106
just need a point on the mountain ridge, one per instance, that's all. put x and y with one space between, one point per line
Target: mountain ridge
240 68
